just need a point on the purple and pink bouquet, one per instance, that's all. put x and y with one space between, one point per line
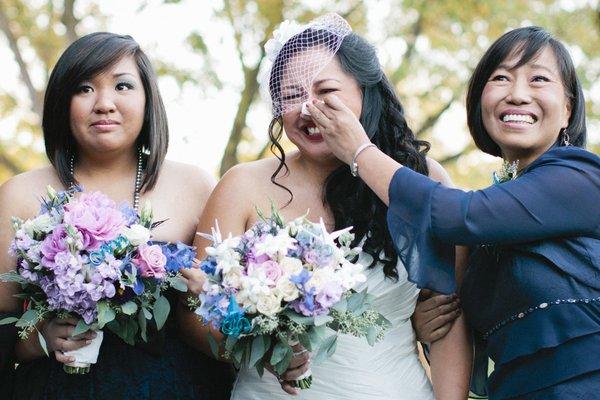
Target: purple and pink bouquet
86 257
279 285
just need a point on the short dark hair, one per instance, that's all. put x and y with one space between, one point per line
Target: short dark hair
528 42
82 60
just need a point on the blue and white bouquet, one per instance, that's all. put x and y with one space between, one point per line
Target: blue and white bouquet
86 257
281 284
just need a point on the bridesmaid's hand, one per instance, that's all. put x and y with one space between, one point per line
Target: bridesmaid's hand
299 364
340 127
434 315
194 278
57 333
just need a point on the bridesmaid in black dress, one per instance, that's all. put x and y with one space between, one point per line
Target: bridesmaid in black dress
105 128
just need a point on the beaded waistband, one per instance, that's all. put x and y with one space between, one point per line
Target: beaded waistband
541 306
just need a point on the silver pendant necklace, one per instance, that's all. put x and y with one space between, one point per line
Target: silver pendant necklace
138 178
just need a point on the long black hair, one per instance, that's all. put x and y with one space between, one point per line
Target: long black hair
83 59
351 201
527 42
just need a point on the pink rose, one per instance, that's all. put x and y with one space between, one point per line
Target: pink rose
272 271
96 217
151 261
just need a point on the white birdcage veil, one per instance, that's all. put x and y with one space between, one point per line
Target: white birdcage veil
312 46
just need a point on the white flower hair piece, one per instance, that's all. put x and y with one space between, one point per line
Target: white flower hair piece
284 32
323 36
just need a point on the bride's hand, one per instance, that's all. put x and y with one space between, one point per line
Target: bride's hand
58 335
339 126
299 364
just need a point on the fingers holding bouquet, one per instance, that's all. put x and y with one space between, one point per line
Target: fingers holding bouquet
58 333
299 367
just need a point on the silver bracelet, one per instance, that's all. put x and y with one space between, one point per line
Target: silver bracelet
354 165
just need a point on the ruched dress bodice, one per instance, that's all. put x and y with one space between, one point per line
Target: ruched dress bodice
390 370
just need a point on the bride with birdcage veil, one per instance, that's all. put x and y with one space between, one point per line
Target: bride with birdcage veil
309 63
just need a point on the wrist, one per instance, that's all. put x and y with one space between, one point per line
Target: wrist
357 153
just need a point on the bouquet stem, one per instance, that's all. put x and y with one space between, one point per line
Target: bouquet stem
84 357
305 380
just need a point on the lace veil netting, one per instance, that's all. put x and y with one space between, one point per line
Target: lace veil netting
298 53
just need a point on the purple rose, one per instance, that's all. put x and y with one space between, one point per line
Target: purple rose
151 261
53 244
96 217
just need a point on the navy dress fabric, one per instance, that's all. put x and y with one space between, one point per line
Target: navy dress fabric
164 368
532 288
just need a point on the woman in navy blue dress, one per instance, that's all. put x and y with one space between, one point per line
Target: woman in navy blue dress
105 127
532 288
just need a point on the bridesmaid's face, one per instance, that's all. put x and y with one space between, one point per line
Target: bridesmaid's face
107 112
525 108
299 127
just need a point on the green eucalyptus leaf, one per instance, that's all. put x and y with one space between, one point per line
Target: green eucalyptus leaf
9 320
129 308
43 343
214 346
230 342
322 319
161 311
279 352
323 351
372 335
283 365
141 318
341 306
80 328
30 318
147 313
105 314
178 283
304 340
259 348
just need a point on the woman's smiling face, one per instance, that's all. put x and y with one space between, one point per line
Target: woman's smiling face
524 108
299 127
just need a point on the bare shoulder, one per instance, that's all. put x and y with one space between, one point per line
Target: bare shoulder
198 182
249 177
438 173
20 195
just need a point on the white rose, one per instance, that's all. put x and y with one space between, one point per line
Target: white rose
287 290
321 276
137 234
291 266
233 278
269 305
243 297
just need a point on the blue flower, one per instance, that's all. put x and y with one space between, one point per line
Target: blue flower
96 257
235 323
178 256
209 266
130 215
301 278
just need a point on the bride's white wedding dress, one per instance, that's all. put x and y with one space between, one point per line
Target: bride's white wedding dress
389 370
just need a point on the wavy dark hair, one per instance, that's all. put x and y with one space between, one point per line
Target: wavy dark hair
351 201
83 59
527 42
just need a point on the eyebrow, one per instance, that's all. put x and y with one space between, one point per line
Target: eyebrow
120 74
534 65
325 80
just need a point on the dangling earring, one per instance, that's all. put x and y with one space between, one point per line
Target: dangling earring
565 137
